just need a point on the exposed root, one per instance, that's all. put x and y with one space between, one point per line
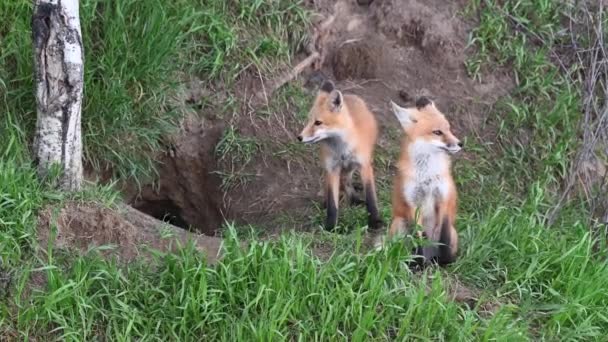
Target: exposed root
316 50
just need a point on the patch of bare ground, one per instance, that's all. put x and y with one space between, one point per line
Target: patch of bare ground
384 50
470 297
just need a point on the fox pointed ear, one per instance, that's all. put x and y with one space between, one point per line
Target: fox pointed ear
423 102
406 116
336 100
327 86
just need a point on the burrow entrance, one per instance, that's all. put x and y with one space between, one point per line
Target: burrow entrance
188 193
164 210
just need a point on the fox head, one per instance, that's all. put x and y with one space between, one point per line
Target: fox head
426 125
327 117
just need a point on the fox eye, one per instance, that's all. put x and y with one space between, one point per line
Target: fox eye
438 132
318 123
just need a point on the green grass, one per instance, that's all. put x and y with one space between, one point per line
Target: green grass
135 51
266 292
235 152
552 272
236 148
547 282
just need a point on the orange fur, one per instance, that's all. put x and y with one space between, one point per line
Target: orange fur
424 182
347 131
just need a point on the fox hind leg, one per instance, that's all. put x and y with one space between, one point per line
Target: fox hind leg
371 201
349 189
448 248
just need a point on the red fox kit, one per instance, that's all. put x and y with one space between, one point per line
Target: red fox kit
347 131
424 190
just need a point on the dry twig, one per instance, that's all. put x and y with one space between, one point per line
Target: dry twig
316 50
593 76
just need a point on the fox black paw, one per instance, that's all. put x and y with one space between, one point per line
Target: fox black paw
375 224
354 200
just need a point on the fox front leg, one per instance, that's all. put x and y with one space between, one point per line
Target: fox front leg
332 197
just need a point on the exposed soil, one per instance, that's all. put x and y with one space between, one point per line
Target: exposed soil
387 50
188 192
356 59
381 50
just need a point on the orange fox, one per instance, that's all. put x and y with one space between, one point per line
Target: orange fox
347 131
424 190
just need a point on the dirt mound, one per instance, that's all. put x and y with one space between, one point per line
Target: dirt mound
80 227
419 50
430 26
355 59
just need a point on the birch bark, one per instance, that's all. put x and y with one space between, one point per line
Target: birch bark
59 73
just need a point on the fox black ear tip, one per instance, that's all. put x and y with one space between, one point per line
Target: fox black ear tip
422 102
328 86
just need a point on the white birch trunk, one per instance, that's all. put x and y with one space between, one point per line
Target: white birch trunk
59 69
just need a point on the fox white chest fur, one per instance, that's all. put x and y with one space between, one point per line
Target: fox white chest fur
427 184
425 192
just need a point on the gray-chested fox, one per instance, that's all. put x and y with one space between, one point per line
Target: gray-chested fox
347 131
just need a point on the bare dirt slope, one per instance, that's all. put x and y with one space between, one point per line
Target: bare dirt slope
390 50
387 50
415 48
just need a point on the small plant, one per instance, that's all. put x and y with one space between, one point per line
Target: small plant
236 152
236 148
233 178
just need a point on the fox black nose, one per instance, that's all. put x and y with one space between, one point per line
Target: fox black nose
460 144
299 137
